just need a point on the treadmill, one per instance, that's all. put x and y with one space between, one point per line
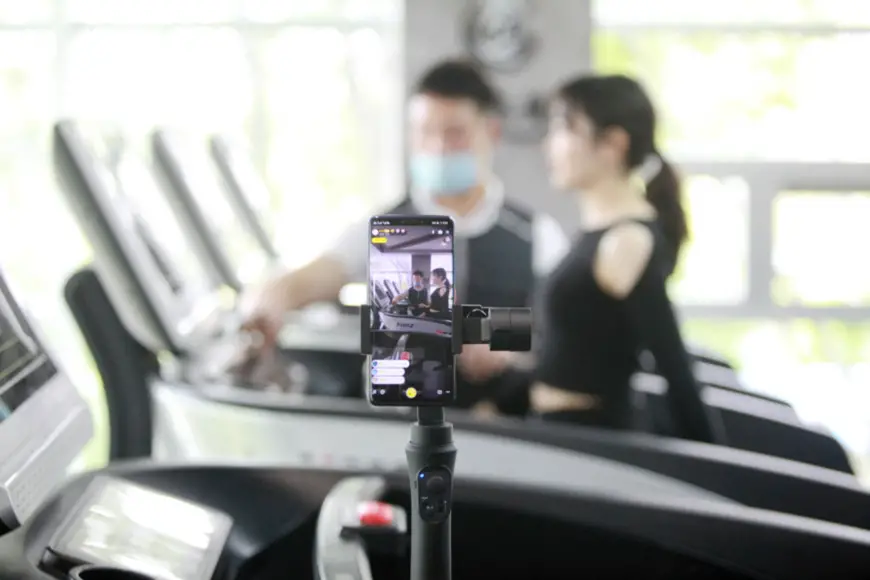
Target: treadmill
246 190
179 162
230 251
244 186
204 420
153 272
523 518
268 420
249 196
236 255
44 422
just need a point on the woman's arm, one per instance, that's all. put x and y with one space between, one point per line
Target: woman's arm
402 296
625 269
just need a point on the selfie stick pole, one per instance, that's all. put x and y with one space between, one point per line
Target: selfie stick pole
430 452
431 459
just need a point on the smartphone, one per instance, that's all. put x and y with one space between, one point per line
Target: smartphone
410 279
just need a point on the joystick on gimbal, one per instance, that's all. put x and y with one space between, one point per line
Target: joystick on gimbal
430 452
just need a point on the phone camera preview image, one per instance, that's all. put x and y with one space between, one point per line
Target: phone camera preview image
411 300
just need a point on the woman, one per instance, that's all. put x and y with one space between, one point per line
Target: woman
607 300
439 301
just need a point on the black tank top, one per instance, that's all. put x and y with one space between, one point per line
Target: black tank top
590 341
439 302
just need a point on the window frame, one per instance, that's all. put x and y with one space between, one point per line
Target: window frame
251 33
766 180
63 29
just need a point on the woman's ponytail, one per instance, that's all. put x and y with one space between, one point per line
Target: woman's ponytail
664 193
442 273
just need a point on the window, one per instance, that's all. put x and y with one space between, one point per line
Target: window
281 10
38 237
27 89
17 13
331 142
770 12
443 261
193 78
820 242
760 95
149 11
759 89
714 266
819 367
198 65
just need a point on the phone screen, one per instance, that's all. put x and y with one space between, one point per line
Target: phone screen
411 300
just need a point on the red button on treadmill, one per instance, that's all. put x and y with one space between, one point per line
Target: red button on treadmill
375 514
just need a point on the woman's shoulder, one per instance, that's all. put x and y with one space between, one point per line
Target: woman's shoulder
622 257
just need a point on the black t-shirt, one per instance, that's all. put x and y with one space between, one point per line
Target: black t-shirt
417 297
590 340
417 301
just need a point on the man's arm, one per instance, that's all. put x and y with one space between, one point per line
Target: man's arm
318 281
322 279
344 262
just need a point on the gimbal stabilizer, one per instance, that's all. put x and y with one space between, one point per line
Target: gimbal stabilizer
430 451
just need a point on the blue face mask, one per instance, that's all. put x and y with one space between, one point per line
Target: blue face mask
444 175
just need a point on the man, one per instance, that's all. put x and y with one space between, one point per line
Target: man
501 249
416 295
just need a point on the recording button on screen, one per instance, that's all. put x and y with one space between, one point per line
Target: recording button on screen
410 392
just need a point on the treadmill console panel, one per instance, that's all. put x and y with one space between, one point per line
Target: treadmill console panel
125 525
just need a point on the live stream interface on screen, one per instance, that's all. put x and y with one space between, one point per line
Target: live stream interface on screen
23 366
411 298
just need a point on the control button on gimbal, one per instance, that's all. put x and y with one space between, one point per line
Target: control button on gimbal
436 484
